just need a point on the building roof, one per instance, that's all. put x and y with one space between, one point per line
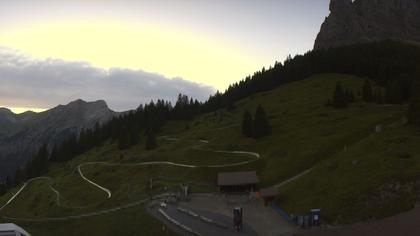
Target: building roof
269 192
237 178
13 228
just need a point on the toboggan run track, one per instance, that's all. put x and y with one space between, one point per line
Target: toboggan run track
255 156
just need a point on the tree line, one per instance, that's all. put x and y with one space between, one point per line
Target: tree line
126 130
257 127
342 97
389 64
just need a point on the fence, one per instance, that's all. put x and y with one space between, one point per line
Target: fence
282 212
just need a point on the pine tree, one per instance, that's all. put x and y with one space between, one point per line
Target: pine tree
378 97
124 140
150 140
8 182
247 124
394 93
349 96
414 109
261 125
230 104
3 189
19 176
134 135
339 98
39 164
367 91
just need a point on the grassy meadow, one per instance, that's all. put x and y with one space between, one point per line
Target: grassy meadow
354 176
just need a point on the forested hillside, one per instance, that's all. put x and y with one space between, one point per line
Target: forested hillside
352 154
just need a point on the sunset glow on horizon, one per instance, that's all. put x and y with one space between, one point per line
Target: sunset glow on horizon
153 48
19 110
128 52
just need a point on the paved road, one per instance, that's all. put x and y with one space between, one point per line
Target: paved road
199 226
264 220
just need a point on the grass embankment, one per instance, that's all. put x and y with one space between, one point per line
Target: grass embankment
305 134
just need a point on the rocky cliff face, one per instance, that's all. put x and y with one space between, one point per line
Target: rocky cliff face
28 131
362 21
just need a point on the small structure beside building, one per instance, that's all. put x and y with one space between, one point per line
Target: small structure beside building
237 182
269 194
12 230
316 217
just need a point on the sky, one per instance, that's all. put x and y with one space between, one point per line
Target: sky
128 52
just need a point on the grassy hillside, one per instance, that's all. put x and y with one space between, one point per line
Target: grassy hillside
305 134
376 177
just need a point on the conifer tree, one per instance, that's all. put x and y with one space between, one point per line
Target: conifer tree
124 140
414 109
150 140
19 176
261 125
247 124
339 98
394 92
8 182
349 96
3 189
39 164
134 136
367 91
378 96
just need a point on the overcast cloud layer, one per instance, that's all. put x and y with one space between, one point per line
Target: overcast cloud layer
29 82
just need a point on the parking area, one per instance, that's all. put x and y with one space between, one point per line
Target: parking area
197 222
258 218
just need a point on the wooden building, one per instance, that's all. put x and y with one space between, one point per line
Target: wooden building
237 182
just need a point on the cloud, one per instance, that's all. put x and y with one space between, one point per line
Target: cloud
31 82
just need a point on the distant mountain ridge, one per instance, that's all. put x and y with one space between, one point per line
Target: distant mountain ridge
22 134
362 21
11 123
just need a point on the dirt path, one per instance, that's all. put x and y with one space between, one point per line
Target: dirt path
293 178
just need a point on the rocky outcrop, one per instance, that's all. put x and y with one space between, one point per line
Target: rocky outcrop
362 21
30 130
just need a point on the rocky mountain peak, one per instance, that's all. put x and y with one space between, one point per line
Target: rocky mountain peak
21 135
4 110
363 21
81 105
340 5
